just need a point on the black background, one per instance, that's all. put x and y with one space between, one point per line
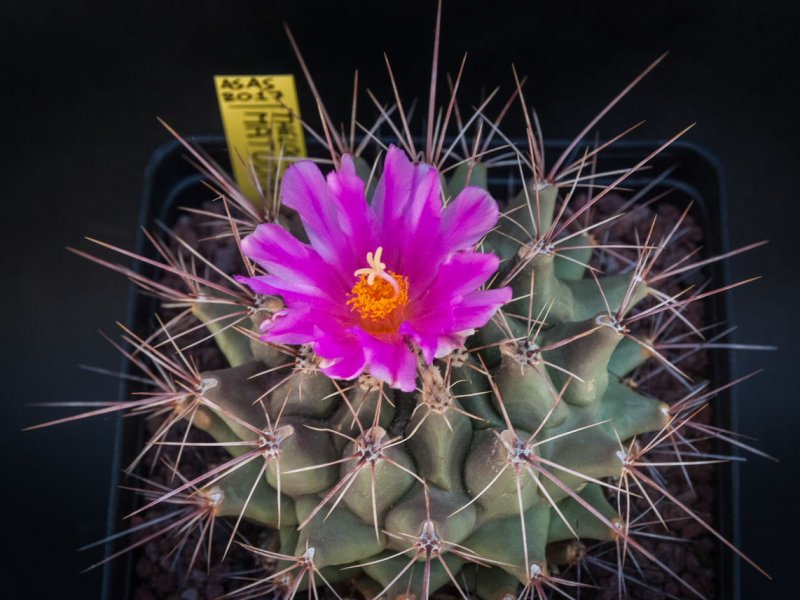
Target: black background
84 82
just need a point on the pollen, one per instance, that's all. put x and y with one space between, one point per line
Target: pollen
379 296
380 304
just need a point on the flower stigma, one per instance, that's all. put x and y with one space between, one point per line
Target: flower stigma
377 269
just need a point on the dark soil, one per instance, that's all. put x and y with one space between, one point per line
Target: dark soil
162 574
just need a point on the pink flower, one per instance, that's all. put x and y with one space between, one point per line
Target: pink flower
377 281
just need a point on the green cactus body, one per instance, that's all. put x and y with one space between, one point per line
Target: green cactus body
493 460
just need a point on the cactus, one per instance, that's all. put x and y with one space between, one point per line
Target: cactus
423 387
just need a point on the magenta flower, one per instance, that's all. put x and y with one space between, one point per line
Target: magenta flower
377 281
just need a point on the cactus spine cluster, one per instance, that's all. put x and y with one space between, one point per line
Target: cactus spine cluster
513 451
495 467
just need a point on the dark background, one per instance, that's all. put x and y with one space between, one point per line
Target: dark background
84 82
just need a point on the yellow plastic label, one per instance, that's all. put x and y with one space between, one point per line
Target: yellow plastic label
261 117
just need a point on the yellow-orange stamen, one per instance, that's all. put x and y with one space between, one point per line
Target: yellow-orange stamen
379 296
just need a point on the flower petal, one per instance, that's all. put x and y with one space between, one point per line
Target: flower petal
466 271
342 352
407 210
305 190
463 273
426 341
393 191
452 341
348 189
468 218
391 361
436 345
354 216
295 271
257 284
280 254
475 309
289 326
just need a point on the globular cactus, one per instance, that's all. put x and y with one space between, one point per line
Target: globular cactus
424 388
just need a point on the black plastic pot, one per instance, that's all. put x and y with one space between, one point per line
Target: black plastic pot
172 182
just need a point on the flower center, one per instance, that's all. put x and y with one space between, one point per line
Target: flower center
379 296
